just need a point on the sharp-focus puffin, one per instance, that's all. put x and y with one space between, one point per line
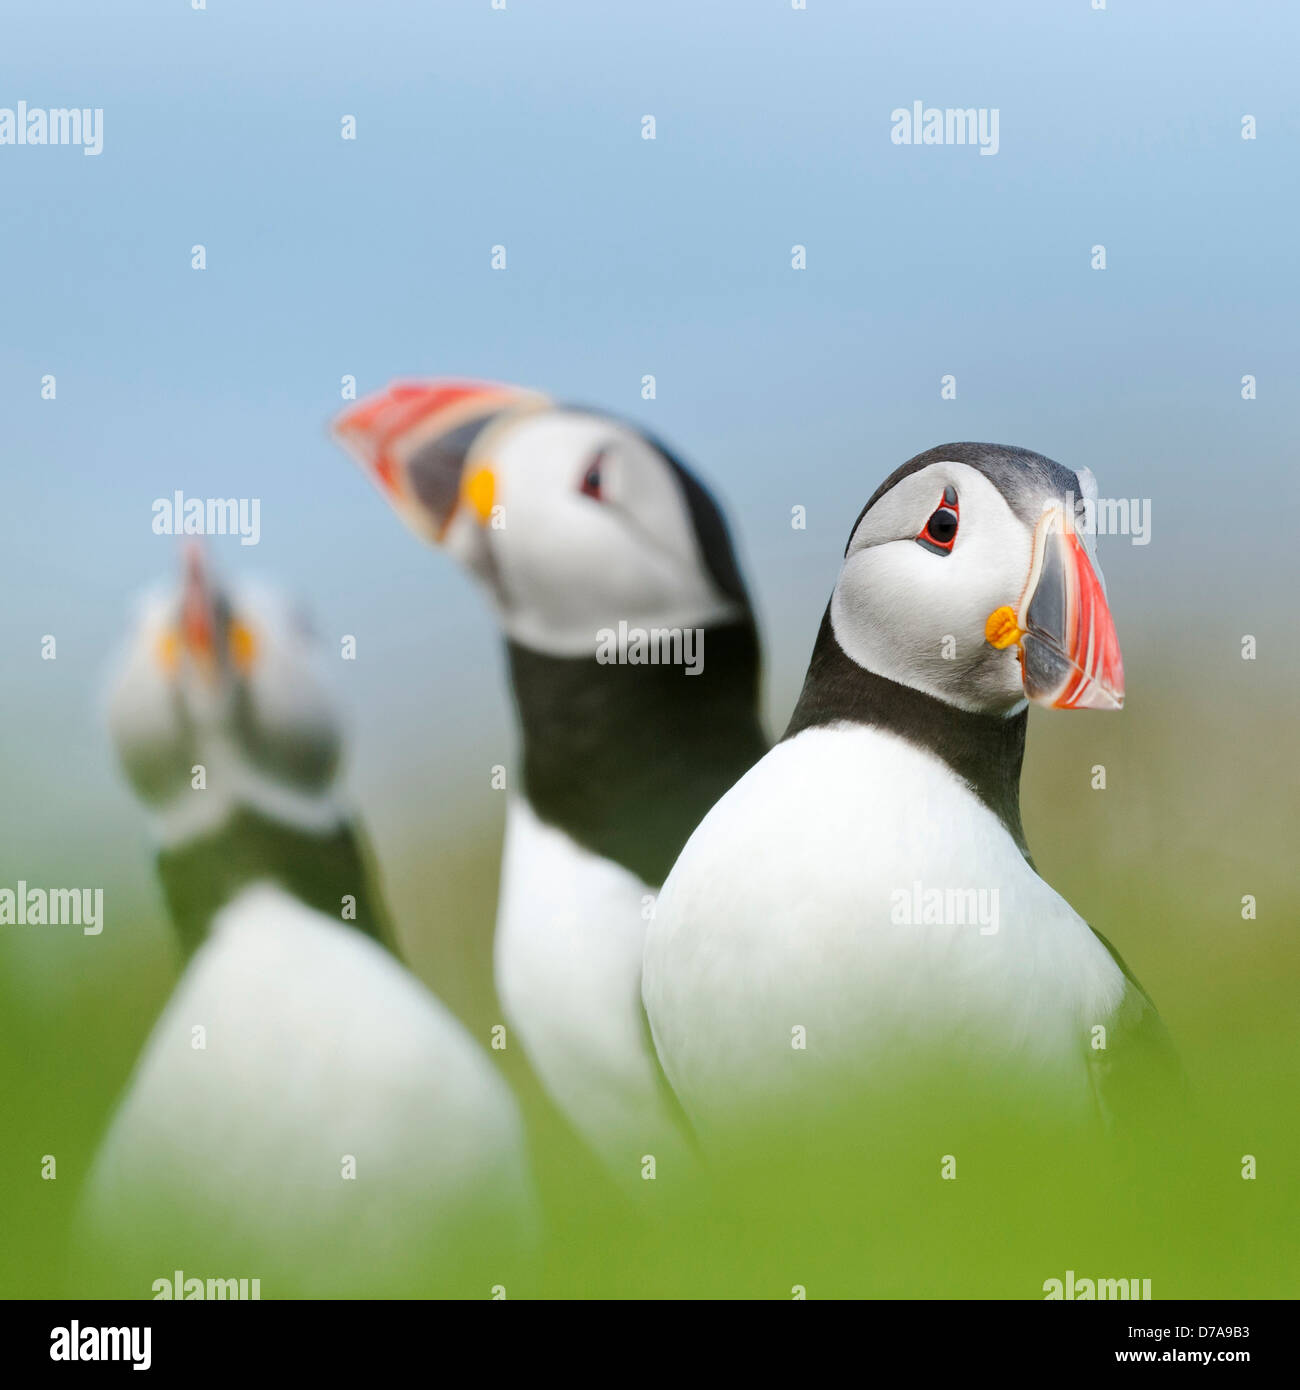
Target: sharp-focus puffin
593 542
861 905
304 1109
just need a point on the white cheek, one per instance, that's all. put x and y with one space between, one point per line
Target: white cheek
145 727
565 583
889 613
918 618
290 700
559 571
464 541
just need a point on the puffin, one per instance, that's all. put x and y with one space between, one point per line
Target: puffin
632 655
859 918
304 1111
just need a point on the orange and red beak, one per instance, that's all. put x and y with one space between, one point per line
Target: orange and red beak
198 624
1069 650
414 439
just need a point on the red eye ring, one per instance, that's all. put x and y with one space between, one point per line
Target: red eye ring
592 484
940 532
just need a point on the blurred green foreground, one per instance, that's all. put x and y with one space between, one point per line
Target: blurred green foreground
1191 821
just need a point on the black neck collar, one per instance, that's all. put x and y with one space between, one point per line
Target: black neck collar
318 867
627 759
984 750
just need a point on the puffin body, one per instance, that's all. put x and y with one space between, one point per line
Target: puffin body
235 1156
304 1109
633 662
860 911
811 935
567 955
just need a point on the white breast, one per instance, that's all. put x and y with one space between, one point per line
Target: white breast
316 1045
788 909
569 944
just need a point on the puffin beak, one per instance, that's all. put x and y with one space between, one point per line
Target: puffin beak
415 438
1069 651
198 610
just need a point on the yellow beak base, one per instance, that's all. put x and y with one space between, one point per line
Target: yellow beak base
1001 629
478 490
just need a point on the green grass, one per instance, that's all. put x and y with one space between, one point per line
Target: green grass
1189 822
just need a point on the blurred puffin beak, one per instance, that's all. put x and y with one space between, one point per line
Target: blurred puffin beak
198 625
415 439
1069 651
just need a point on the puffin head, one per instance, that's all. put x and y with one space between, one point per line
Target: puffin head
226 679
571 520
969 575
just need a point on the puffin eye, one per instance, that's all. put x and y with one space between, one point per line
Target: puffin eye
939 533
592 484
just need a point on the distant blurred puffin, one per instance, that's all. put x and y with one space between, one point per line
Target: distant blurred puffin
304 1108
633 658
861 904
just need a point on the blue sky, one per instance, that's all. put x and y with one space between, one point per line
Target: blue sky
672 257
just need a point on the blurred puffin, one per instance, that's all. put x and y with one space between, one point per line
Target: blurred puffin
295 1049
967 591
587 535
